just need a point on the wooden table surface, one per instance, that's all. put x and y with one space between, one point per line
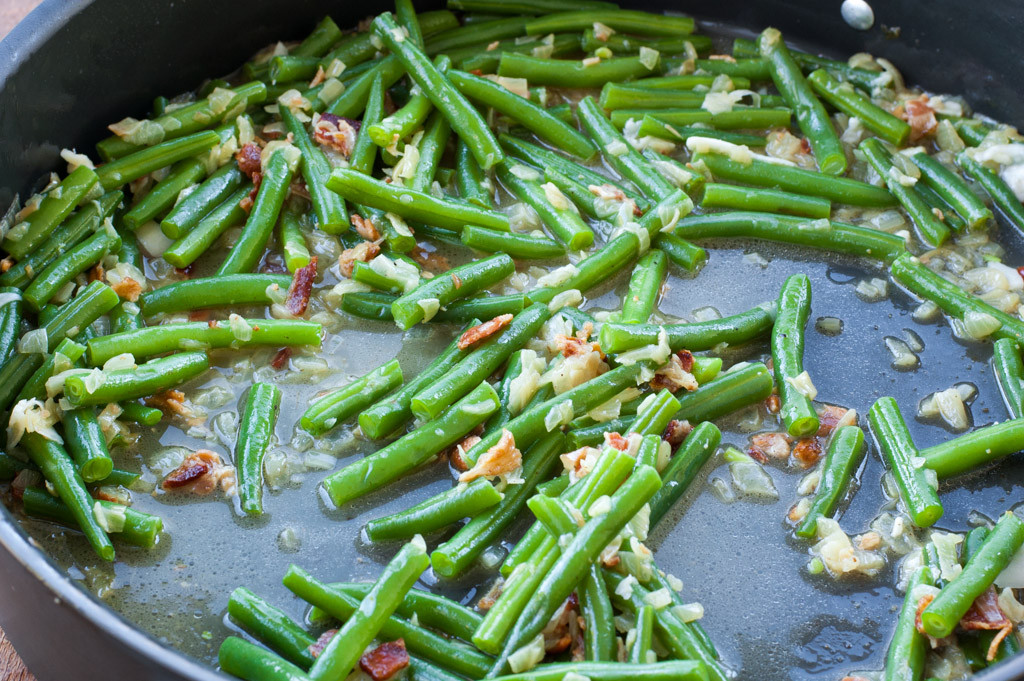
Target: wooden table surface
11 666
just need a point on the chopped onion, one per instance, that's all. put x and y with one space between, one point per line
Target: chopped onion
750 479
980 325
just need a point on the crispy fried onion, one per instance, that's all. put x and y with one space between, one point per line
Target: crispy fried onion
501 459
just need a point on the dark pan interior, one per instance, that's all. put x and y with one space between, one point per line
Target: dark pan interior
72 67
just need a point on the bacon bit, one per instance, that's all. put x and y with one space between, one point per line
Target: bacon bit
281 358
775 445
212 324
364 252
920 115
477 72
616 441
99 493
96 273
985 613
6 264
248 158
481 331
921 605
1020 270
186 272
320 77
579 652
807 451
385 660
854 678
502 458
723 57
301 288
773 404
457 456
317 646
828 416
575 345
488 600
676 432
558 633
673 376
611 561
869 541
128 288
365 228
685 359
431 261
171 401
247 201
335 132
202 471
456 281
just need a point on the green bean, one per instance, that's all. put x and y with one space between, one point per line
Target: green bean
555 211
328 208
652 126
86 444
475 367
431 147
216 291
465 120
674 172
838 189
525 246
249 661
10 322
946 212
585 200
292 241
56 205
411 204
793 309
622 20
531 116
921 281
1000 193
683 467
353 100
479 58
141 414
193 244
617 152
478 32
436 512
681 640
535 554
644 635
863 78
63 357
893 440
528 426
73 230
346 647
255 432
576 559
655 416
668 670
454 556
955 599
127 315
638 96
844 97
599 642
528 6
810 113
952 189
140 529
732 390
271 626
845 450
644 288
405 13
687 82
764 200
338 405
246 253
836 237
735 329
410 117
683 253
907 649
58 469
364 152
572 73
741 118
188 119
91 302
412 308
619 43
618 251
156 340
931 229
472 182
129 384
147 159
412 450
64 269
972 131
160 198
1009 371
974 449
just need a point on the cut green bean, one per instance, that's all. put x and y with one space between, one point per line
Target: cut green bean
525 246
907 649
554 209
61 359
217 291
845 450
844 97
129 384
328 208
183 175
435 513
246 660
338 405
681 252
1009 371
644 288
411 117
271 626
140 529
1000 193
147 159
893 440
793 309
572 73
74 262
599 640
953 189
622 20
764 200
86 444
624 44
56 205
255 432
974 449
423 302
651 126
141 414
292 241
198 240
432 146
473 184
735 329
740 118
644 636
683 468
